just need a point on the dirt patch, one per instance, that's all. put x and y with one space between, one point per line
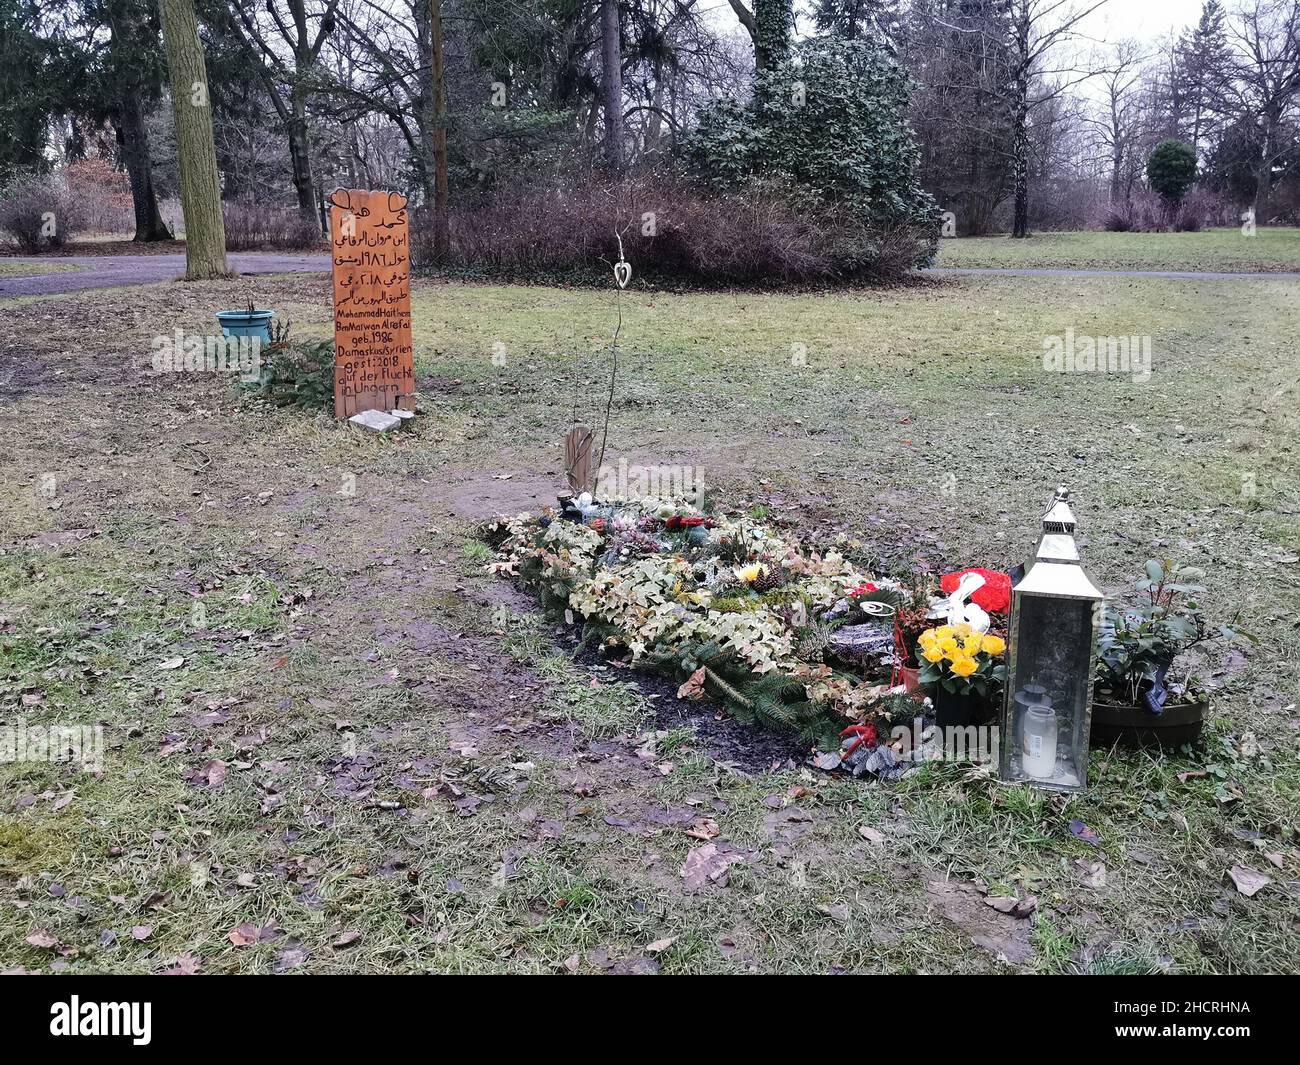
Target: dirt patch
963 904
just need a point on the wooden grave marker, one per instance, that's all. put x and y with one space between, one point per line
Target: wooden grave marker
374 360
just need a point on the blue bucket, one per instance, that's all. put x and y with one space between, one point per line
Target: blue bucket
243 324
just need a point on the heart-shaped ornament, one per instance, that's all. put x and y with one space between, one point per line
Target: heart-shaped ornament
622 273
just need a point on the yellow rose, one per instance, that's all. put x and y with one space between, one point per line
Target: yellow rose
749 574
972 644
993 645
962 628
928 638
963 666
942 632
932 654
949 647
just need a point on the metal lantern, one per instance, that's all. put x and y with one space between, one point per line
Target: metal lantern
1051 661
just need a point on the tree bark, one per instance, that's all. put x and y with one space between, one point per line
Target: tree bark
1264 173
300 156
611 80
205 231
133 138
1020 131
433 123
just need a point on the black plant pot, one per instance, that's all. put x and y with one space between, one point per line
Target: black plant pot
953 708
1134 726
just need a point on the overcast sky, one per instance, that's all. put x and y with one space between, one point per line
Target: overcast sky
1146 20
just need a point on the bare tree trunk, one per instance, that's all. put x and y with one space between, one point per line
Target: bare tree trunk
611 81
300 156
1020 171
441 195
1264 173
1020 131
134 140
205 231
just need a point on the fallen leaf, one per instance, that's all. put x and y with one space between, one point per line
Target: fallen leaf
694 686
245 934
1081 831
709 865
704 829
42 938
142 932
660 945
1248 881
346 940
870 834
1092 874
172 663
211 774
182 965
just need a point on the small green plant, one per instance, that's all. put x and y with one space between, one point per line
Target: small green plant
299 374
1138 645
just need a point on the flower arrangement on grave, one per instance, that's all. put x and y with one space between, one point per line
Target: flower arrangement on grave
993 596
961 660
734 608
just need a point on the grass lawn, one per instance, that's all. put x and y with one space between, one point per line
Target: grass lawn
333 743
1271 250
9 268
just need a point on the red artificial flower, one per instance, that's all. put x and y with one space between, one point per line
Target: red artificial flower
994 596
598 524
863 736
863 589
692 522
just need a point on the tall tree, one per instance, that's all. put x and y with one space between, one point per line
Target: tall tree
1038 27
878 19
1202 63
959 53
611 82
31 85
124 80
1118 124
1265 70
205 231
290 79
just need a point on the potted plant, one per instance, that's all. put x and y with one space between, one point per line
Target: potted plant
964 670
250 322
1137 699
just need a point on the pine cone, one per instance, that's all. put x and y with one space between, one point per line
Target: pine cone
812 647
770 579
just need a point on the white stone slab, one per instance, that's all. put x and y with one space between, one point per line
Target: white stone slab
377 420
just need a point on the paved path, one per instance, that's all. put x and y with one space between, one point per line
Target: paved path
107 271
1175 275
